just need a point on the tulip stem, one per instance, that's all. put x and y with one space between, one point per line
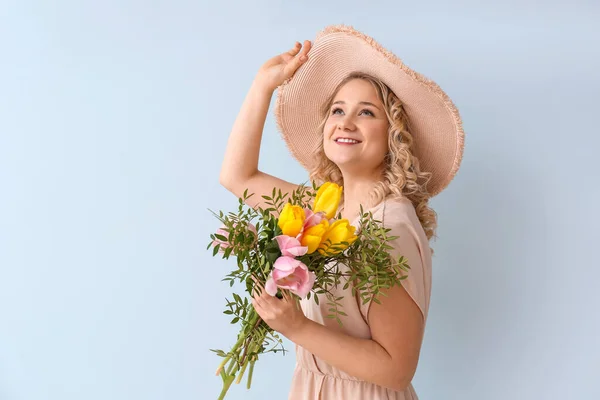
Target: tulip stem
232 364
241 374
234 361
250 372
227 381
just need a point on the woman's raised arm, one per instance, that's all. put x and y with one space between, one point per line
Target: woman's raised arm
239 170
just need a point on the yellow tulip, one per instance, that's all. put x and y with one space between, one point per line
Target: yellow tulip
340 231
291 220
313 236
328 199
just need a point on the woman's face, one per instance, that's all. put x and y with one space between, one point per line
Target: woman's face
356 114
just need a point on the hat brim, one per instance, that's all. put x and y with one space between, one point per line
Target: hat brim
338 50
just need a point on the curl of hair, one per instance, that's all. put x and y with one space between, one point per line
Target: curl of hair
402 176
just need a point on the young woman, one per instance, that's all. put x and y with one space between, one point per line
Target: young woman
352 113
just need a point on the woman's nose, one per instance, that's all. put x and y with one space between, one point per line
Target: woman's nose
346 125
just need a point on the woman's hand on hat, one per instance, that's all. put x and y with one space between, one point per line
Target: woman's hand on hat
283 66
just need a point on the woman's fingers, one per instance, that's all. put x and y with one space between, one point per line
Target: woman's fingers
258 287
295 49
297 56
262 298
306 48
258 307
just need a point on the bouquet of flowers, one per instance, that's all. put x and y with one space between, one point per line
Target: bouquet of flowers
296 245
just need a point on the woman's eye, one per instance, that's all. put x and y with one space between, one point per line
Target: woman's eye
368 112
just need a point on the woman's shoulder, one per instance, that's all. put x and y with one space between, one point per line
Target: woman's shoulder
400 214
398 210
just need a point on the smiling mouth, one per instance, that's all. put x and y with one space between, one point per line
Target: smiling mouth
347 141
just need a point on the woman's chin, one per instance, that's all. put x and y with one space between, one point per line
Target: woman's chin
348 164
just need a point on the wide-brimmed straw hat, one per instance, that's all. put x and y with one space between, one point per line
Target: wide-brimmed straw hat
339 50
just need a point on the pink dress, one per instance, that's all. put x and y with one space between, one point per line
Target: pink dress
316 380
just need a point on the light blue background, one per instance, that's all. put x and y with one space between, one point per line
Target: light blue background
113 121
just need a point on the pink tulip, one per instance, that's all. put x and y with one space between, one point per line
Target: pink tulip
289 273
223 232
313 218
290 246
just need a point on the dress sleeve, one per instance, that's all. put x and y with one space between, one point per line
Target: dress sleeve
417 282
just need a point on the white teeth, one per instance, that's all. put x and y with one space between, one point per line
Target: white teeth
343 140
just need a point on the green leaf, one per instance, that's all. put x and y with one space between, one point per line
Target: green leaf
221 353
273 253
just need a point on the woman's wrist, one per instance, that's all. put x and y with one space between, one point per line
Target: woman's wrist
261 86
299 330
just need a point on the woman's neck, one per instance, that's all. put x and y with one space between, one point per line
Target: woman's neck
356 192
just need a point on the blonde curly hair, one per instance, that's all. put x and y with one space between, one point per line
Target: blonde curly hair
402 176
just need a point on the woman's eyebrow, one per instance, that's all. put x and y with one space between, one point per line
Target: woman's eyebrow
362 102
